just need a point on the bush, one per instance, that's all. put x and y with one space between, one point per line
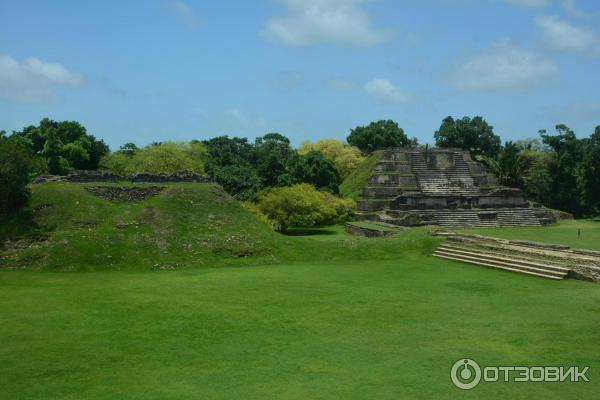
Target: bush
302 205
168 157
345 157
16 165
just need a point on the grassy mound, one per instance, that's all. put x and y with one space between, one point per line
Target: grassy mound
184 226
355 182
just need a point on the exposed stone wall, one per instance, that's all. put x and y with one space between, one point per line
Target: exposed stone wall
123 193
366 232
86 176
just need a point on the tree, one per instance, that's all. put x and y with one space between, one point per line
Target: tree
272 152
71 147
589 174
231 162
345 157
312 168
302 205
240 181
128 149
379 135
16 165
563 168
52 151
475 135
508 166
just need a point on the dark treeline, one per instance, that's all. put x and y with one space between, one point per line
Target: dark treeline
557 169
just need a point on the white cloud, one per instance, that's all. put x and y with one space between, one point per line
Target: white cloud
33 80
184 12
528 3
311 22
385 91
560 35
504 67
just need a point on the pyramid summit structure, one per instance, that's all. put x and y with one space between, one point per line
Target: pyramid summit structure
443 186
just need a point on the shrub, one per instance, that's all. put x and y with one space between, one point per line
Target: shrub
167 157
302 205
16 165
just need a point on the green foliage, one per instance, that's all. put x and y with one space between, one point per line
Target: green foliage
475 135
345 157
537 180
231 162
354 183
561 171
241 181
64 145
312 168
244 169
16 165
563 168
589 174
272 152
302 205
167 157
379 135
508 166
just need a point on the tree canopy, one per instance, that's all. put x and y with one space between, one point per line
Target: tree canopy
473 134
345 157
312 168
244 169
64 145
379 135
16 165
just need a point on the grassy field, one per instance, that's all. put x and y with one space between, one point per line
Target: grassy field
320 330
317 314
566 232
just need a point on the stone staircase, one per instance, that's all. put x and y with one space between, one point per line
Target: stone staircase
517 217
456 180
546 260
477 218
529 266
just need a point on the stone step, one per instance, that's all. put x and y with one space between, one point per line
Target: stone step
499 265
459 250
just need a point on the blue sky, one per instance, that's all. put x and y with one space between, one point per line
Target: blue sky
134 71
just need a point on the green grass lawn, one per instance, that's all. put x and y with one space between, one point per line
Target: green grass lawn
320 330
234 310
566 232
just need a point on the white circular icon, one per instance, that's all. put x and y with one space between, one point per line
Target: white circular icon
465 373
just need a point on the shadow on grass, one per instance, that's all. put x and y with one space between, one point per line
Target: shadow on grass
20 225
309 232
